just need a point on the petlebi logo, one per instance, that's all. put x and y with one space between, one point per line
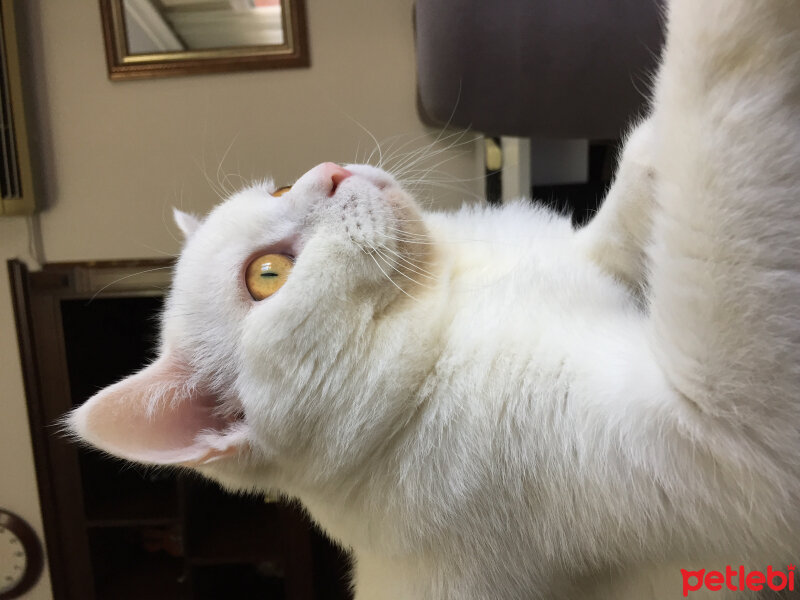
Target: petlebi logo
738 579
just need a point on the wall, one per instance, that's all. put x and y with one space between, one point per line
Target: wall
116 156
18 488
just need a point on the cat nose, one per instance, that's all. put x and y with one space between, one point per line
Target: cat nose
332 175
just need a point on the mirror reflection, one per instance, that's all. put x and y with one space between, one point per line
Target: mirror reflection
165 26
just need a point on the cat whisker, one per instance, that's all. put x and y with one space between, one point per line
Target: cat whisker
161 252
243 182
222 162
445 177
409 157
374 139
397 152
391 152
426 153
409 241
358 149
416 157
116 281
410 234
445 186
414 254
411 265
390 264
449 118
407 220
394 283
425 172
217 192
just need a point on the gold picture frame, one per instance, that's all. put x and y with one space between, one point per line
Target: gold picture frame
122 64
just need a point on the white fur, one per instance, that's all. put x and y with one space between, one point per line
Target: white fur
540 413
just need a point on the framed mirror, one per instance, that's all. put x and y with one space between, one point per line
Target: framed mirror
163 38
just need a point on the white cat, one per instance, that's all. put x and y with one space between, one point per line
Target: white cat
490 405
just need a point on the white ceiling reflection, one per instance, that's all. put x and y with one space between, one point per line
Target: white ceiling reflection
158 26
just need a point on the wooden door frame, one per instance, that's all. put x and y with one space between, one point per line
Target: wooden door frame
36 297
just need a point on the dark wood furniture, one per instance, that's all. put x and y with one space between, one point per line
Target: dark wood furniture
116 531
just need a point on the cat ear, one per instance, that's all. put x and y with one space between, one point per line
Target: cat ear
186 222
157 416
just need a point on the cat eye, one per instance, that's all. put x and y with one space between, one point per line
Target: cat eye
281 191
266 274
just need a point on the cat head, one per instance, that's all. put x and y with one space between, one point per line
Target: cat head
278 321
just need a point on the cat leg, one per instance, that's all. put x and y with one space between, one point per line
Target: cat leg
617 236
710 466
725 258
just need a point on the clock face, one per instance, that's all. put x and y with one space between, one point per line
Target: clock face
13 560
20 556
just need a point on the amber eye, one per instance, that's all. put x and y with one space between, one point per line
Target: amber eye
281 190
266 274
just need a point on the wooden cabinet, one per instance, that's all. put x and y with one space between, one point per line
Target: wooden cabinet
117 531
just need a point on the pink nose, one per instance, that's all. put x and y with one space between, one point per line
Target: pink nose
333 175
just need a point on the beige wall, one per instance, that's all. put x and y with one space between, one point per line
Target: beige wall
116 156
18 488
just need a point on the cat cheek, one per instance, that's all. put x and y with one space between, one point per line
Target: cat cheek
157 417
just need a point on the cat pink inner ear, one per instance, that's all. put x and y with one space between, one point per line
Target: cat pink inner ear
186 222
157 417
